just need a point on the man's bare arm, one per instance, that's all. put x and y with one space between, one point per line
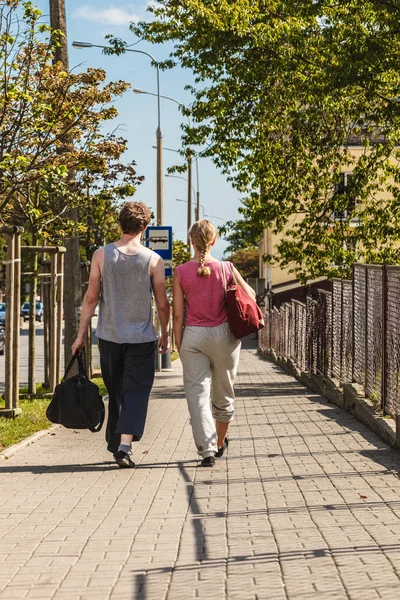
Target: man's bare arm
157 270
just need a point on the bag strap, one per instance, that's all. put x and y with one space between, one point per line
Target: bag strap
71 362
233 274
82 362
223 274
80 357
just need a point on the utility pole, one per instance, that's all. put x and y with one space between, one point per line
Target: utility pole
198 190
189 214
72 267
58 21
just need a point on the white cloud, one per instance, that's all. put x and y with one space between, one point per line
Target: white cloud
109 16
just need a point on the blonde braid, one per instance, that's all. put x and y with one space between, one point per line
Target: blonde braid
203 234
203 271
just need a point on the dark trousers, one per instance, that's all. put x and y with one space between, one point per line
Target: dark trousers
128 374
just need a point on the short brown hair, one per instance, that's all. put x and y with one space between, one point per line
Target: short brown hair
134 217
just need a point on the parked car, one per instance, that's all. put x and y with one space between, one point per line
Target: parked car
2 313
38 312
2 340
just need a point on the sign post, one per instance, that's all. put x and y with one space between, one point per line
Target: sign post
159 239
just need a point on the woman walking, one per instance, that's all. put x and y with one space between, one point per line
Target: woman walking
208 350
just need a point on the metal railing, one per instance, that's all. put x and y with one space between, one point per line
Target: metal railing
351 333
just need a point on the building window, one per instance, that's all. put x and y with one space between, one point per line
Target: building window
343 188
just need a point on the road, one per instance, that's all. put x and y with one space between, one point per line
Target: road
23 372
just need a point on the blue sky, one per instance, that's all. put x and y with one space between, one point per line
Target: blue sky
91 21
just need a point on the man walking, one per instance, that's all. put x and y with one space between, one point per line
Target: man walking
126 273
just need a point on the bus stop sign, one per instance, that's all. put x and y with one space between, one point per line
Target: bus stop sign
159 239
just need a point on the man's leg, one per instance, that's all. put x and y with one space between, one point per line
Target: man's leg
138 378
111 363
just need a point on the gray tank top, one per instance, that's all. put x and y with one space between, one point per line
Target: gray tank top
125 302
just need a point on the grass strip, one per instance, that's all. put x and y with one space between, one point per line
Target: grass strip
32 419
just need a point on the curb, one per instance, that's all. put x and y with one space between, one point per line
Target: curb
8 452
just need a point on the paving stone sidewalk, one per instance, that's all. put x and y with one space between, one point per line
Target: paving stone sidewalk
306 505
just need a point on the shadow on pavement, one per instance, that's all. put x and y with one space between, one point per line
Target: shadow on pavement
89 467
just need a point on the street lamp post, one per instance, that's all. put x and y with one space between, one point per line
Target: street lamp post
189 213
201 205
189 161
160 204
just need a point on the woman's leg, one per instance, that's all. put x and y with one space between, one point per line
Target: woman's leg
197 379
222 430
225 362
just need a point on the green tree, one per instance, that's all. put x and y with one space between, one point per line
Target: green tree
56 160
282 89
50 124
180 253
246 260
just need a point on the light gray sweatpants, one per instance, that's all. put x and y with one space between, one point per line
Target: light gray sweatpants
210 358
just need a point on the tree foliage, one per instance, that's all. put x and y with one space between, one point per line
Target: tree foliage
282 91
54 153
180 253
246 260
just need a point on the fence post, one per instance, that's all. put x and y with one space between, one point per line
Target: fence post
269 328
398 430
332 332
9 343
366 331
16 318
45 295
353 329
53 324
341 332
384 336
59 318
13 278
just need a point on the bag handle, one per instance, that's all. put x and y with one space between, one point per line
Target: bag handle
71 362
233 274
223 274
80 357
234 280
82 362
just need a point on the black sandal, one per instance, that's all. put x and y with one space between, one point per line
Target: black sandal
222 450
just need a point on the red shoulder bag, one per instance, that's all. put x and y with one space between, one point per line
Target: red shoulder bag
244 314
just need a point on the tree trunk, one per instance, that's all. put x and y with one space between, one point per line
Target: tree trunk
32 322
72 266
45 295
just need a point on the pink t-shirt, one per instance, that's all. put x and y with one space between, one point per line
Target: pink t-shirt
205 297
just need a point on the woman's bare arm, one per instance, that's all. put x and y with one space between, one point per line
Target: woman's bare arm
245 286
178 310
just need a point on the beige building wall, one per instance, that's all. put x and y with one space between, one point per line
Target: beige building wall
272 273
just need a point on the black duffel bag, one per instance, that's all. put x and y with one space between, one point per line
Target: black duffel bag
76 402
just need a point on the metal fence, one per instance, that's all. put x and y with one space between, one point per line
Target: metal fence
351 333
